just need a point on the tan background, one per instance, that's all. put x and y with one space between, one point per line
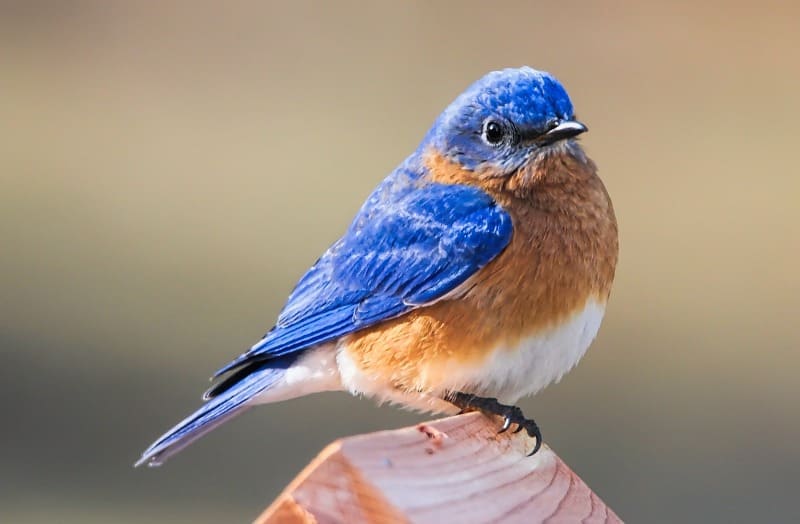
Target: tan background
167 171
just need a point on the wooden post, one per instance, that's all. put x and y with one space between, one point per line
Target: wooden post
457 469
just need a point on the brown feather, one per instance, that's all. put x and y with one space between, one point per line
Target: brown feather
563 253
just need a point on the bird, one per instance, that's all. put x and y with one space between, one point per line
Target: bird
476 273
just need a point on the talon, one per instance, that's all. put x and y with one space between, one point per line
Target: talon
506 425
536 447
533 431
510 414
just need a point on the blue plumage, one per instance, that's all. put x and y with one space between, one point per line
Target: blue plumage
526 101
413 242
215 411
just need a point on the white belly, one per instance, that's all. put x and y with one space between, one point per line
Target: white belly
507 373
510 373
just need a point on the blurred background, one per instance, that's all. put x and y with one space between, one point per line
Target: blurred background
168 170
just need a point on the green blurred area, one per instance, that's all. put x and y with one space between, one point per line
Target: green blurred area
167 171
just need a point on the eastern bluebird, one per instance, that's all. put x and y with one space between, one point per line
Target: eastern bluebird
476 273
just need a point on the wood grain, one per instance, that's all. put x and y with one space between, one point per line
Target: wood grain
456 469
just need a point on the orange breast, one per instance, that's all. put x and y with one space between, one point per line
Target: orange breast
563 253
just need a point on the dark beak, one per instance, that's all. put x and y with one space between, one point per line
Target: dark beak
567 129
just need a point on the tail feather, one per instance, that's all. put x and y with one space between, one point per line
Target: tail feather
229 403
221 386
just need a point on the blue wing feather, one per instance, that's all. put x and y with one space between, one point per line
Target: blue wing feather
230 402
411 243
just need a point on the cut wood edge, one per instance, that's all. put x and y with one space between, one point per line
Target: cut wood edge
457 469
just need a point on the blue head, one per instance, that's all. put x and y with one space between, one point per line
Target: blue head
503 120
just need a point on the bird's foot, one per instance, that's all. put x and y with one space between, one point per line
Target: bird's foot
490 406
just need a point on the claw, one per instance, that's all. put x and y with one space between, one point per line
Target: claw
506 425
533 431
537 446
490 406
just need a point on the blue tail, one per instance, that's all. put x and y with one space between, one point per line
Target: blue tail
225 405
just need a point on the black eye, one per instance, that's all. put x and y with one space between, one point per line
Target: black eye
494 132
552 124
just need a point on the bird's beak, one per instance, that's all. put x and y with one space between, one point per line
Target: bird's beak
567 129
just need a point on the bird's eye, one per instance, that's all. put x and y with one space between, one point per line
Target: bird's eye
494 132
552 124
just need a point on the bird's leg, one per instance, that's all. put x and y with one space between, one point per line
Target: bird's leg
490 406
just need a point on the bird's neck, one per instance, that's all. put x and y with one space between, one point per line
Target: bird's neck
562 167
546 180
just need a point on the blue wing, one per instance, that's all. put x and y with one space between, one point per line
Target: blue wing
410 244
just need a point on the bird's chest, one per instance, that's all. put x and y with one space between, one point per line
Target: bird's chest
519 323
530 315
547 274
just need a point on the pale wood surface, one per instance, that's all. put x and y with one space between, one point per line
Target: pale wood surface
457 469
